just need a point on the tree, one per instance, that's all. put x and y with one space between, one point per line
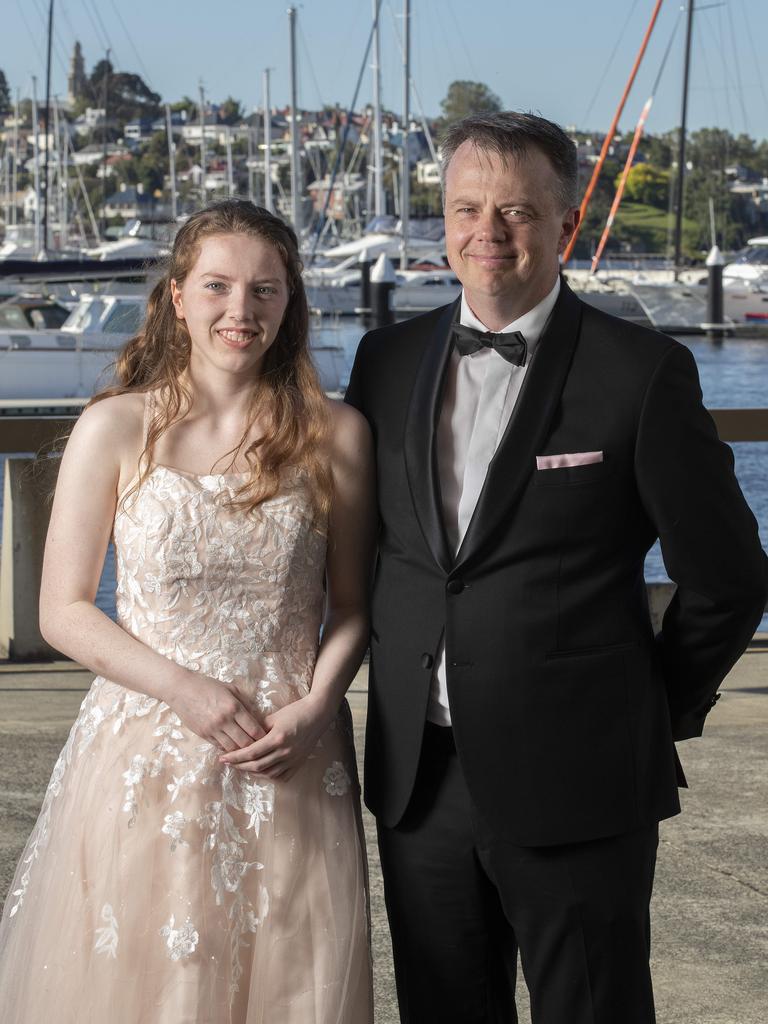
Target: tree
465 97
185 103
659 150
129 98
647 184
5 95
230 111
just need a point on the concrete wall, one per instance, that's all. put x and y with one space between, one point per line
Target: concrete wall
28 486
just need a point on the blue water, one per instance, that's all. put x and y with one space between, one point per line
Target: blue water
733 375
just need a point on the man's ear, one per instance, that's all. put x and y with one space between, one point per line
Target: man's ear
176 299
571 220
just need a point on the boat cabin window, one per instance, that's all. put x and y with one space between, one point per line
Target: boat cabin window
86 315
124 318
12 319
752 254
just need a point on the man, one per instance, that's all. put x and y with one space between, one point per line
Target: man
521 721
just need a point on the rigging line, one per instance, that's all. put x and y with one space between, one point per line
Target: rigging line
141 63
414 89
35 40
726 77
751 38
702 49
666 54
737 68
58 47
462 39
308 56
73 32
607 67
448 48
103 44
345 134
345 45
106 34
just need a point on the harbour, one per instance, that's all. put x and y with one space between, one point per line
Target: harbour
105 155
733 376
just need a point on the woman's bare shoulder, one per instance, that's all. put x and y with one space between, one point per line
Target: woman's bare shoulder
346 420
350 433
117 421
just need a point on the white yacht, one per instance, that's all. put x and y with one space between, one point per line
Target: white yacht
137 240
76 360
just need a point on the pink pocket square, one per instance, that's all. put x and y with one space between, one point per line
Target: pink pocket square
574 459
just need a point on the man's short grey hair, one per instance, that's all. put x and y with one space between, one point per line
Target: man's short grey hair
510 134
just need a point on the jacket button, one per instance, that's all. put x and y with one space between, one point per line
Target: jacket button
427 661
455 586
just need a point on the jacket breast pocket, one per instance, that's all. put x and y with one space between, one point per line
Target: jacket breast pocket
571 476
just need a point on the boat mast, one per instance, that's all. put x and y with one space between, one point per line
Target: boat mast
295 165
104 154
15 179
378 160
610 134
36 165
59 179
171 159
46 126
267 145
405 201
681 147
203 191
63 144
230 172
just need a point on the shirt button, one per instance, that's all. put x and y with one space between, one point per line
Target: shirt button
427 661
455 586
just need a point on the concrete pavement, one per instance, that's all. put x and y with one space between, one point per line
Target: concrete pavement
710 908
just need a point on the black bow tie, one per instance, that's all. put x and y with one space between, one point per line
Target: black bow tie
511 346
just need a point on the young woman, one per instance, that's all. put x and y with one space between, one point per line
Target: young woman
198 856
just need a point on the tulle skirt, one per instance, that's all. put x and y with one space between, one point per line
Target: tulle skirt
159 888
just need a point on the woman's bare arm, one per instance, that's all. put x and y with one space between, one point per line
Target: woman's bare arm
295 729
106 438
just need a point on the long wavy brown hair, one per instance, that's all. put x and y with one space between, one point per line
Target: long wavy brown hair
286 390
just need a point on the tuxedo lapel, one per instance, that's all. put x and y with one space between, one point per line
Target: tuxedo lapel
529 424
420 437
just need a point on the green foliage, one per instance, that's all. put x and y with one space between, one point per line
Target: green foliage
149 165
230 111
642 228
659 150
466 97
185 103
647 185
129 98
426 200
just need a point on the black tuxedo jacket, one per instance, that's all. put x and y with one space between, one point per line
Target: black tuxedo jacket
564 705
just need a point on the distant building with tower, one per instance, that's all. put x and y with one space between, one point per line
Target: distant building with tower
76 78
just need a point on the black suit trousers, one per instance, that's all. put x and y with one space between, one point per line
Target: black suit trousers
461 904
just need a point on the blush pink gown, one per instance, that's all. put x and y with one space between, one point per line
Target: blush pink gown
158 887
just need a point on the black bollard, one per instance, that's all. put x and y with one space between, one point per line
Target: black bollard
365 287
715 327
383 283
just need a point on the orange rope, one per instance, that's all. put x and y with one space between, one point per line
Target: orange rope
611 132
620 190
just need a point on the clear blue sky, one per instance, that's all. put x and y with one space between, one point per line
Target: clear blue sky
553 56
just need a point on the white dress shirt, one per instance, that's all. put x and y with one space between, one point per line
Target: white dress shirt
480 393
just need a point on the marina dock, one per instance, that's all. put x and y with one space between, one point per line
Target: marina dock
711 895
